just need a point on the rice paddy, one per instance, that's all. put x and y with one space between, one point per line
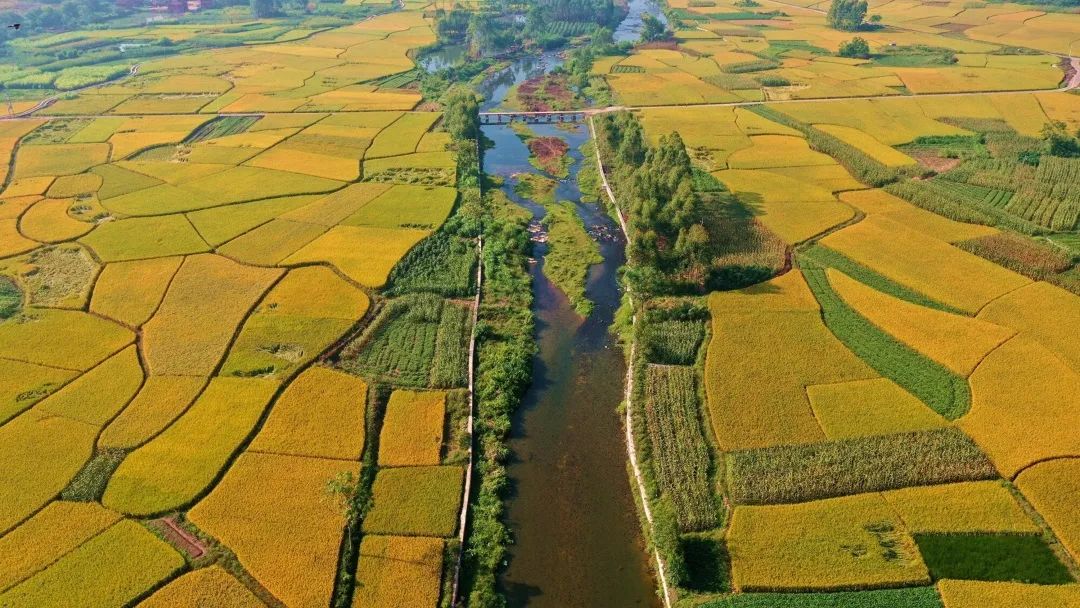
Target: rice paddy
236 284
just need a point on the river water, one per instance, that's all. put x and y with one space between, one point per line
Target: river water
576 533
577 538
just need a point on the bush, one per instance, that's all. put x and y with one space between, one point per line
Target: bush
800 473
856 48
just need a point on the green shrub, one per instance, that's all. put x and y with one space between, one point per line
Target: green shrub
920 597
441 264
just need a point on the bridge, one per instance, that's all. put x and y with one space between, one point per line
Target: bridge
554 116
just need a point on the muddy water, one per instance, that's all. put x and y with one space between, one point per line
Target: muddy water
577 538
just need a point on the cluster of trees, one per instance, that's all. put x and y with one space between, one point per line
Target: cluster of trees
57 15
1059 141
652 29
847 15
670 246
856 48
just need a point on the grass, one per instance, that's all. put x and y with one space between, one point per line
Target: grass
211 585
54 531
96 396
320 414
992 557
158 403
1050 488
207 299
178 465
958 342
916 597
90 483
865 464
273 511
442 264
679 451
112 569
945 392
571 251
855 542
412 430
115 298
415 501
54 275
402 347
399 571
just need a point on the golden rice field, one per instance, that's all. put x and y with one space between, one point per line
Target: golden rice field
189 254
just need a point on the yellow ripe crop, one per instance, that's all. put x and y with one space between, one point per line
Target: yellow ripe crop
1023 371
333 208
270 243
412 431
829 177
273 346
211 586
890 121
415 501
24 384
160 401
126 143
407 206
1037 311
879 202
969 507
1052 488
777 151
161 104
1061 106
403 135
28 186
144 237
794 209
130 292
319 165
206 301
75 185
741 368
363 253
177 465
61 338
220 224
50 534
39 454
62 159
274 512
315 291
980 594
48 221
320 414
419 160
99 394
837 543
111 569
398 571
863 408
888 156
957 342
923 263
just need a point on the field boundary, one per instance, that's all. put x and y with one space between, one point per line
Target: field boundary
467 490
631 445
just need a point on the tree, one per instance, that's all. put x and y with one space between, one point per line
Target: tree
264 8
847 15
602 40
856 48
481 34
652 28
1059 141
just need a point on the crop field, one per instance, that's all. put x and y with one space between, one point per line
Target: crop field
237 272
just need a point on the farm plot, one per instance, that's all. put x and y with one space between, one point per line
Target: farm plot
1049 487
415 501
398 571
207 586
412 430
272 511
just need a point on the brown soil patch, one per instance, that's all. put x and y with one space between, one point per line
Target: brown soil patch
179 537
938 164
956 28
